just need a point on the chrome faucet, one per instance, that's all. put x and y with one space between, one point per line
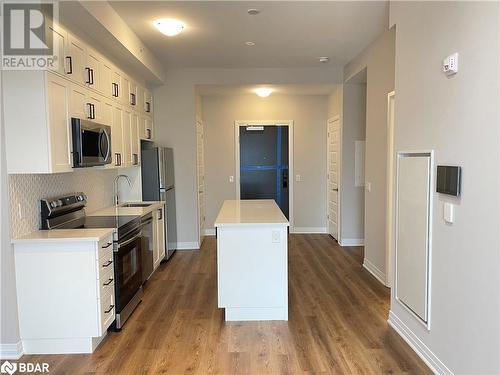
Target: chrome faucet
115 187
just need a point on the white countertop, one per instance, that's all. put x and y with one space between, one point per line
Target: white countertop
126 211
94 235
250 212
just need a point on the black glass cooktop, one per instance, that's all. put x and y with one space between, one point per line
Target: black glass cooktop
122 223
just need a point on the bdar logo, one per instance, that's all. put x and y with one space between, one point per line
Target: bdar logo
8 368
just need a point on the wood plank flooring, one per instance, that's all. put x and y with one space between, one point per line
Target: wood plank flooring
337 323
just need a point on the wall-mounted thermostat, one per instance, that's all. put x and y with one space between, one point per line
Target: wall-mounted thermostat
450 64
448 180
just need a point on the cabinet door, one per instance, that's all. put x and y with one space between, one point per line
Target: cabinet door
134 101
126 127
141 106
96 101
149 128
117 86
148 102
79 106
60 43
58 92
76 60
117 135
126 90
93 69
135 142
106 79
107 112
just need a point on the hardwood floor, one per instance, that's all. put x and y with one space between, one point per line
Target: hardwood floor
337 323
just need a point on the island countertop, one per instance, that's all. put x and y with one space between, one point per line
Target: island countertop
250 212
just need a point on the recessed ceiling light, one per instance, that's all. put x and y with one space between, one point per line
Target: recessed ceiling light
250 44
263 92
170 26
323 59
253 11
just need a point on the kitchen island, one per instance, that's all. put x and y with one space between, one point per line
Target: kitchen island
252 260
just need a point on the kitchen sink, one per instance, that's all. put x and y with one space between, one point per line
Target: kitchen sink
135 204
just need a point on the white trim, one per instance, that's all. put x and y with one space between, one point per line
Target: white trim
399 155
291 177
199 122
422 350
188 245
339 178
11 351
210 232
373 269
305 230
389 248
352 242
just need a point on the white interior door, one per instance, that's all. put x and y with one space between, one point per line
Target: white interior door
200 167
333 151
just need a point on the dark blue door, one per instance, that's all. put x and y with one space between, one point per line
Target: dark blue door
264 164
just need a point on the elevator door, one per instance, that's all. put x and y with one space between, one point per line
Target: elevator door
264 164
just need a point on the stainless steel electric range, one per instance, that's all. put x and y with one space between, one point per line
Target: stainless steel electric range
68 212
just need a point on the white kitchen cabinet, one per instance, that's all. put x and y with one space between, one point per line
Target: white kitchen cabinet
135 142
127 137
65 292
117 135
93 69
133 94
145 127
36 118
76 59
117 86
96 101
60 45
159 237
148 102
106 79
79 106
125 98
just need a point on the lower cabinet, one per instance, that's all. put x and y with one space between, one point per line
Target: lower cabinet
159 236
65 293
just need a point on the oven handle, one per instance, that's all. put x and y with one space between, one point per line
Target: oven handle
135 238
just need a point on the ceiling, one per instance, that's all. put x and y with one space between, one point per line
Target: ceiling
289 89
288 34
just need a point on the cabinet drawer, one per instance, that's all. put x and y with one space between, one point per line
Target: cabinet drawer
106 282
105 263
106 311
104 245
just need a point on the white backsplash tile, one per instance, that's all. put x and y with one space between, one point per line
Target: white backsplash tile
27 190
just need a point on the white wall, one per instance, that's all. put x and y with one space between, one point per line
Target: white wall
175 114
459 118
378 59
309 114
352 197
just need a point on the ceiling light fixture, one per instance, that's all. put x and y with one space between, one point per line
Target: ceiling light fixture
323 59
263 92
250 44
253 11
170 26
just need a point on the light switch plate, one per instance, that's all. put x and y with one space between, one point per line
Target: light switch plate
276 236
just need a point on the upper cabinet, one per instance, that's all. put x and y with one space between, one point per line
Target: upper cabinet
84 85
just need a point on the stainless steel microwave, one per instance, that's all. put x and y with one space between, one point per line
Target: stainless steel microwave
91 143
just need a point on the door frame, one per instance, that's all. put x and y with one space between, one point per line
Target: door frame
291 177
390 197
201 234
339 178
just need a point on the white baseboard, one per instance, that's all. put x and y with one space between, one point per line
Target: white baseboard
210 232
418 346
11 351
307 230
379 275
352 242
188 245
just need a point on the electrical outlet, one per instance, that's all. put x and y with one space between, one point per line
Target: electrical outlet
276 236
298 178
231 178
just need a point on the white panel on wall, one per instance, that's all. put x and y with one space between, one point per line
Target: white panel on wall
413 207
27 190
359 163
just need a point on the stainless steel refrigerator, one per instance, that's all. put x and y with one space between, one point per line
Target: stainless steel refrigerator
158 184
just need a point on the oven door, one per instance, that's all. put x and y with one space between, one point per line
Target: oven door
91 143
128 268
